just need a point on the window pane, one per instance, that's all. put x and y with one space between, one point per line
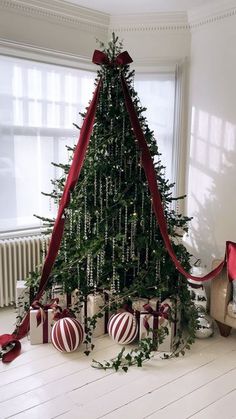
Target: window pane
38 105
157 94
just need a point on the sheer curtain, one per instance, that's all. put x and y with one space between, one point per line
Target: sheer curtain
38 105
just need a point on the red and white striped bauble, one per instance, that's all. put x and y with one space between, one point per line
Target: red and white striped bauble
123 327
67 334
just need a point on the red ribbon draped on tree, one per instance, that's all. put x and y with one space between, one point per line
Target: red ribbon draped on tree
122 59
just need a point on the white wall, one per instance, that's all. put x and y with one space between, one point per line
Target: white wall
158 45
212 139
52 25
70 29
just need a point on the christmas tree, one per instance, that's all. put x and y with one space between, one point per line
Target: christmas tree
111 237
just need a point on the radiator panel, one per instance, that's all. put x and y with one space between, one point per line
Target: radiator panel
18 257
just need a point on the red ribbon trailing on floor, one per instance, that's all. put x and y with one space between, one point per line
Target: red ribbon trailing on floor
122 59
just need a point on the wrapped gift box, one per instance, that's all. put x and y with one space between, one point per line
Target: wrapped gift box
82 310
167 344
94 304
138 303
58 292
153 321
67 300
76 305
41 333
22 297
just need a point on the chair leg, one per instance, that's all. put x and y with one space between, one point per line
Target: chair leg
224 329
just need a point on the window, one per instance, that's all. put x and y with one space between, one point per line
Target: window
38 105
157 94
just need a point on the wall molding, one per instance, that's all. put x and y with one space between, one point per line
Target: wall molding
35 53
149 22
58 11
174 22
70 14
47 55
210 14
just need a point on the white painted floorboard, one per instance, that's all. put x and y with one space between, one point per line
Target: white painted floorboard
43 383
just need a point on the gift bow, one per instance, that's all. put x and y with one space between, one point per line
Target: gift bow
42 308
62 314
100 58
163 313
126 308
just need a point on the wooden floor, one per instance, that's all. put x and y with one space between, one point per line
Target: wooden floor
43 383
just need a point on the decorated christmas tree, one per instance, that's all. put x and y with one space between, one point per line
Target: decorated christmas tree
112 240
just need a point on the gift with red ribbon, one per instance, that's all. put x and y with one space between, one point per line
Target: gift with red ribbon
95 304
65 298
138 303
152 318
41 321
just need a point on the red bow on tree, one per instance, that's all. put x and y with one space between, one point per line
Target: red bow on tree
100 58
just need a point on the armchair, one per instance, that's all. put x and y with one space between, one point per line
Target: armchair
221 302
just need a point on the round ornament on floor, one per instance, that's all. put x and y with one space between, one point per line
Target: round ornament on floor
67 334
123 328
205 325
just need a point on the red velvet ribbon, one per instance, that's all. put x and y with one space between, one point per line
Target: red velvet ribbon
62 314
41 315
162 312
100 58
106 314
126 308
45 328
231 259
14 348
72 178
148 166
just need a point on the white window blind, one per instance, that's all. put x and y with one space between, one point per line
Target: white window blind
157 94
38 105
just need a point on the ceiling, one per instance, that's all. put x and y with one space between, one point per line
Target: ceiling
119 7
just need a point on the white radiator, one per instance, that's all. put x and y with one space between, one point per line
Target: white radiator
18 257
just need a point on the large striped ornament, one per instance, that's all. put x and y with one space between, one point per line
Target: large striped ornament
123 328
67 334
